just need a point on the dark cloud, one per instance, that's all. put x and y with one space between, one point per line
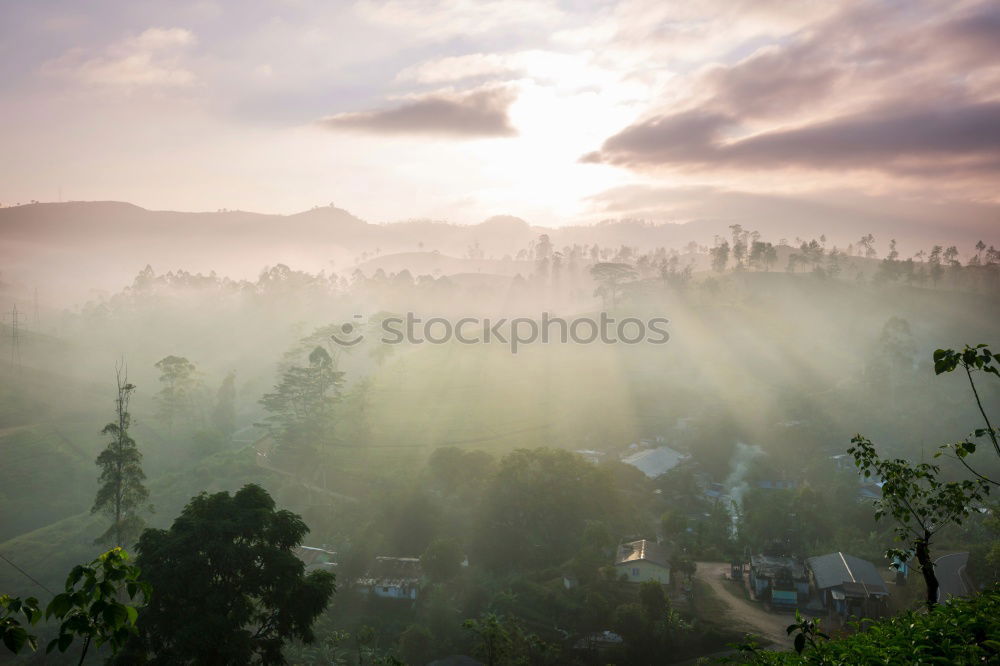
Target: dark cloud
960 138
682 137
772 82
909 94
479 113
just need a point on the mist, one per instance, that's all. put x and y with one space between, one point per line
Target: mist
493 333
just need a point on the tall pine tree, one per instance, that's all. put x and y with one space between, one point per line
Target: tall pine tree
121 495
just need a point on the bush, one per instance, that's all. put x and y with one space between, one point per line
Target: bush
963 631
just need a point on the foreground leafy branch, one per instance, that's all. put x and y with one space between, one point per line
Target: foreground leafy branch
971 359
12 633
963 631
914 494
90 608
920 503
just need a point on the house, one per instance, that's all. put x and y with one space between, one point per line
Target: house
393 577
778 580
848 585
654 462
599 640
316 558
642 561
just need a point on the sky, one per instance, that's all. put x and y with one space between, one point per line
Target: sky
557 112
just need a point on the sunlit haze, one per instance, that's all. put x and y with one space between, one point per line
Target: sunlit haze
500 332
554 112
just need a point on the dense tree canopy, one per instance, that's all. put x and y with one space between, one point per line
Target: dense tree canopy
228 588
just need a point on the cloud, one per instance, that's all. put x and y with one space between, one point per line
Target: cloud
441 20
953 138
476 113
457 68
149 59
860 90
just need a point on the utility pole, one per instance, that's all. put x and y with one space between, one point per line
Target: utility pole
15 338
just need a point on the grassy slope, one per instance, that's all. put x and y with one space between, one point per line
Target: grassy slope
49 552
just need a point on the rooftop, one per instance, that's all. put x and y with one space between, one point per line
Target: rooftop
853 575
314 557
395 570
646 550
770 565
654 462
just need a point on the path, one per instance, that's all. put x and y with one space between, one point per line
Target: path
950 570
771 626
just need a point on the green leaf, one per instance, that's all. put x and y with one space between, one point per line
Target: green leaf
74 576
15 638
115 615
59 606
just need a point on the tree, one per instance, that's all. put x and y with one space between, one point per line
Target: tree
610 277
224 413
502 640
122 494
934 259
920 503
416 645
682 564
442 560
301 406
739 244
177 377
892 358
229 589
535 508
653 600
493 640
720 256
867 243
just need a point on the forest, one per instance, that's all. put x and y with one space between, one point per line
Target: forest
411 503
499 333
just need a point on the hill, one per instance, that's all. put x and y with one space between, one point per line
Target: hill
49 245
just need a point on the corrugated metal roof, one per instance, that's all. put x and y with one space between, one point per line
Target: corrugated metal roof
654 462
650 551
852 574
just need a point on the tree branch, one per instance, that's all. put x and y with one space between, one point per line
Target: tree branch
989 426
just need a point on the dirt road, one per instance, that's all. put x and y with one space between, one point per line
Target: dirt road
745 615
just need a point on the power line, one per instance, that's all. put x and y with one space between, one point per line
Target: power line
26 575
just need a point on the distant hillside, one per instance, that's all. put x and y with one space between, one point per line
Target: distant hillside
72 252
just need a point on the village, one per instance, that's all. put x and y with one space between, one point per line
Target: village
760 589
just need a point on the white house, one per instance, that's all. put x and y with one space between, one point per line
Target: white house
393 577
643 560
